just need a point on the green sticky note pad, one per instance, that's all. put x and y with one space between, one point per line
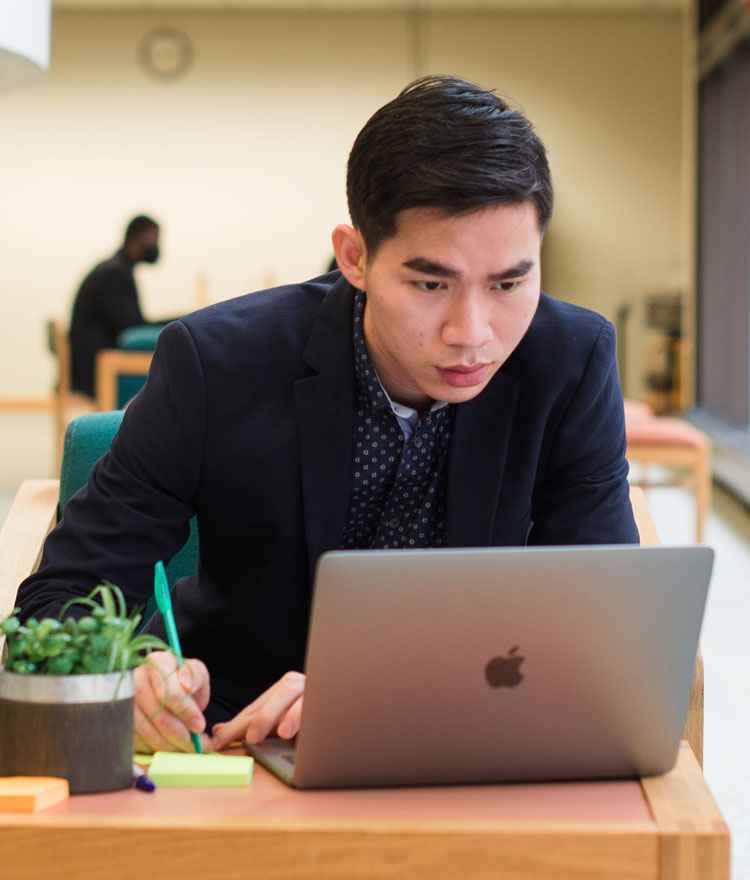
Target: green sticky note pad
177 768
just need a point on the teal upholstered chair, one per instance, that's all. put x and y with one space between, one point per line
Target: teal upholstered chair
87 438
140 338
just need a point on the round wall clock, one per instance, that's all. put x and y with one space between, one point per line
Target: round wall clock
166 53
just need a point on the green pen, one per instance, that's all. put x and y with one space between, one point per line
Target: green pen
164 604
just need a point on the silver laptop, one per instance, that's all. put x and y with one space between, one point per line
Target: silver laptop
495 665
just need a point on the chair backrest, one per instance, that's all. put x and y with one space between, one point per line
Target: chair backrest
142 337
86 440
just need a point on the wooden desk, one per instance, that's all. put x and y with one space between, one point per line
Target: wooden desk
666 827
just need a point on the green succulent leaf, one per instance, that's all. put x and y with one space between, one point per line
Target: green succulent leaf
105 640
10 625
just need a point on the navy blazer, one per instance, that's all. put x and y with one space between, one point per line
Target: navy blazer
247 419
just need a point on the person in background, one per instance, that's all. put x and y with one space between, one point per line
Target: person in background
107 302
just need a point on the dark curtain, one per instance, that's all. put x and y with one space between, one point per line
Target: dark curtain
723 307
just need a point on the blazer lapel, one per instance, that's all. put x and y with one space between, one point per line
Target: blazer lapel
476 463
325 421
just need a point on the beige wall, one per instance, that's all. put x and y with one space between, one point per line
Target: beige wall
243 160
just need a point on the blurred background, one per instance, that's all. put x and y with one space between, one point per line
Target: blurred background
231 123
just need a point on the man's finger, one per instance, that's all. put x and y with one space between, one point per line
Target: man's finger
256 721
165 710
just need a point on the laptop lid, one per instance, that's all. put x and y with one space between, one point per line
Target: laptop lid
496 665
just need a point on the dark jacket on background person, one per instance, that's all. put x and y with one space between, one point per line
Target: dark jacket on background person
105 305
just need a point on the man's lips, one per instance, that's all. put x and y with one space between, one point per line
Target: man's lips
464 376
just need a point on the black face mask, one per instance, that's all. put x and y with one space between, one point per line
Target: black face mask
150 253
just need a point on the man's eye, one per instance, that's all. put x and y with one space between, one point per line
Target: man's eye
429 285
507 286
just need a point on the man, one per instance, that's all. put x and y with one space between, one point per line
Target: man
426 395
107 301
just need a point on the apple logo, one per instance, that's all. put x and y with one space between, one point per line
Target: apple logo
505 671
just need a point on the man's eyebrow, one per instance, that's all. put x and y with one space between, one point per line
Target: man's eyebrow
522 268
431 267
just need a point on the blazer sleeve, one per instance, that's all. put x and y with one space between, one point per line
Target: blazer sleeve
582 496
136 506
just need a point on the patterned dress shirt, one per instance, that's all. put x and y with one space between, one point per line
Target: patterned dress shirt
397 497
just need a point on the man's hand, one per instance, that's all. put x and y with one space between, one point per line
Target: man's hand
169 703
276 710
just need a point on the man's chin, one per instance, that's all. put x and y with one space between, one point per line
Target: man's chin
450 394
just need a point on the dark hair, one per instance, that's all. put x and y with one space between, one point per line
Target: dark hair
138 225
444 143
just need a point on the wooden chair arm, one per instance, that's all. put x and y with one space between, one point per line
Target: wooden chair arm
30 519
643 519
693 732
114 362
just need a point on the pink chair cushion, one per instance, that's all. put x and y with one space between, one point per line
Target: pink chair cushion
664 430
635 410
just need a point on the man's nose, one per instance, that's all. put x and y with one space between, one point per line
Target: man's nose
467 323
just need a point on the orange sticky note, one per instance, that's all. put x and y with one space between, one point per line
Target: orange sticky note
29 794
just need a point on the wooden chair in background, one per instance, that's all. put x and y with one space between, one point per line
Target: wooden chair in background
119 374
674 444
68 404
111 365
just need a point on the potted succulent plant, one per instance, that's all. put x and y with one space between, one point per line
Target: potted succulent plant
66 693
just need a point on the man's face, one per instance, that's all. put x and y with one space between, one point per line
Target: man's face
448 299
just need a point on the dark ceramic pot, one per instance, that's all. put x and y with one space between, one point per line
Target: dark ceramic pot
79 727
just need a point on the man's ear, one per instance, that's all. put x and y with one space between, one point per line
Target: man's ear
351 254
